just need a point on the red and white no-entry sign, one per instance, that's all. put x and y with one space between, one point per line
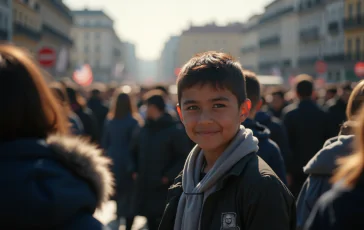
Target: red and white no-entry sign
359 69
321 67
47 57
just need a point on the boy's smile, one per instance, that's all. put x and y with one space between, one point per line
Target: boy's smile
211 116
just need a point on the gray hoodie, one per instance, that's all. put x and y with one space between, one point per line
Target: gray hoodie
320 169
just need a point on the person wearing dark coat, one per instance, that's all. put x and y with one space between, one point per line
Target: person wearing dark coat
97 106
49 180
278 132
120 129
322 166
160 151
319 170
342 207
87 117
268 149
336 108
307 128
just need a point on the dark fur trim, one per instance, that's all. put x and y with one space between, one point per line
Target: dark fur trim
86 161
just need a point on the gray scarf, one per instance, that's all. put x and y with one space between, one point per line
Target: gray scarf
196 191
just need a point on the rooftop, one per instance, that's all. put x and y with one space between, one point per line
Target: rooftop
213 28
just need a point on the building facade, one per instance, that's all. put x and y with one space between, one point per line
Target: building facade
95 43
209 37
5 20
44 24
130 61
277 35
167 61
354 34
250 44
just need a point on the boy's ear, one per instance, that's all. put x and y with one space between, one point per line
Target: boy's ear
245 109
259 105
179 112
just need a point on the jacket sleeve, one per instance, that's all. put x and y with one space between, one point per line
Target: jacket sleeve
289 125
269 206
105 139
180 149
311 191
134 147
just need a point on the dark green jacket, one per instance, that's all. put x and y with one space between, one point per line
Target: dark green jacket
249 197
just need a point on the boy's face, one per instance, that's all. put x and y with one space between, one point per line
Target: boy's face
211 116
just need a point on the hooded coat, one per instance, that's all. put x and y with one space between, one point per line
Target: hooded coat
55 183
320 169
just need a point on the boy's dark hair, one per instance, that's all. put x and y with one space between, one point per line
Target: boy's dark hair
332 89
163 89
347 86
278 92
220 70
304 86
252 87
155 97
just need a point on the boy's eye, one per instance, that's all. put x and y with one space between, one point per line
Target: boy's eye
218 106
193 107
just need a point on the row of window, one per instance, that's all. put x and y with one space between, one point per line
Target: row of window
32 4
355 10
354 47
3 21
26 20
95 49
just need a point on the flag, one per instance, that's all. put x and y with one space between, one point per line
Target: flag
83 75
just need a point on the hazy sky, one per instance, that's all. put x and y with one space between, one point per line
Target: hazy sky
149 23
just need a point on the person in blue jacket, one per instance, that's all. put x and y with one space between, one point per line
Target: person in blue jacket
268 149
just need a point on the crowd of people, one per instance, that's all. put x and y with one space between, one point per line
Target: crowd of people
232 154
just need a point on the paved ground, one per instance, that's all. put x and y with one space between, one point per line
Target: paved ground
107 216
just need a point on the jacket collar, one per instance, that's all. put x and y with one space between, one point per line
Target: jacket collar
176 189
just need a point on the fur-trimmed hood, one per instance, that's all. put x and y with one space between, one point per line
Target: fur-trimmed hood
86 161
49 183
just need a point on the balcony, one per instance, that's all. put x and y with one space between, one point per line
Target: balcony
333 28
268 64
248 49
48 29
335 57
307 60
3 34
354 56
20 28
276 15
309 35
270 41
354 23
309 4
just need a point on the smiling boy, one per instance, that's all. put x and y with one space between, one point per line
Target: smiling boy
224 184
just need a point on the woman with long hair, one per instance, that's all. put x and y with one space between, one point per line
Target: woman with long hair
322 166
343 206
50 181
59 91
121 127
79 106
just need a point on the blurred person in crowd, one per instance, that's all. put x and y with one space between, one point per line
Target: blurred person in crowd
321 167
97 105
109 92
160 150
268 149
51 181
143 109
60 92
278 132
342 207
336 108
224 184
331 92
278 103
121 127
307 129
89 121
170 106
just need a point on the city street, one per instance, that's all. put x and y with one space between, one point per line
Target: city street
107 216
